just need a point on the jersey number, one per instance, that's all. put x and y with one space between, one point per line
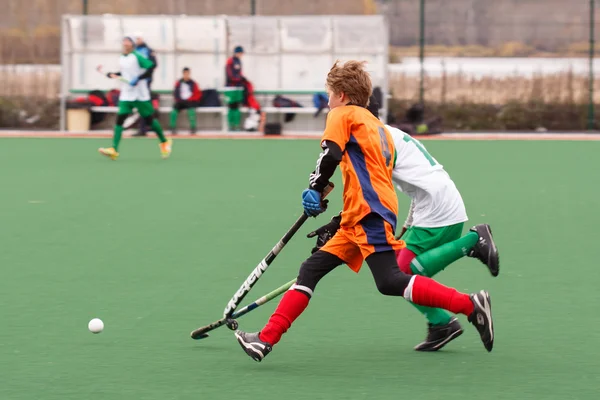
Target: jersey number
421 149
385 148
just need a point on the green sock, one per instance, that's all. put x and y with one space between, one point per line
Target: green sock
117 136
192 118
234 118
435 316
173 119
435 260
159 131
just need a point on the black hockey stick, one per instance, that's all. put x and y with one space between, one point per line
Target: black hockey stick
231 323
239 295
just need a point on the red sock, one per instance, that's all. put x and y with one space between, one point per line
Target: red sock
290 307
404 258
427 292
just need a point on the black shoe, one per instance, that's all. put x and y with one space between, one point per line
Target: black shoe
192 132
139 134
440 335
482 318
173 132
485 249
252 345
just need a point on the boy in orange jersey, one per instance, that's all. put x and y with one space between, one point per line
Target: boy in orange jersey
358 142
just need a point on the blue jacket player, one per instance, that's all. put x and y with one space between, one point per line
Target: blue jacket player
145 50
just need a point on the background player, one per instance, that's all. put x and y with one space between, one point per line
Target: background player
142 47
235 77
134 94
187 96
432 231
358 141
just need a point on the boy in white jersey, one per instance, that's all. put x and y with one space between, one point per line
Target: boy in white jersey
134 95
433 229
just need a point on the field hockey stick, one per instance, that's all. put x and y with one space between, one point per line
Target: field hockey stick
200 333
264 264
100 69
231 323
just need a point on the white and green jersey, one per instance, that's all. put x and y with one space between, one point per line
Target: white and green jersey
436 201
133 65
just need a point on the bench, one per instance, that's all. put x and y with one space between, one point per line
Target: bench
222 111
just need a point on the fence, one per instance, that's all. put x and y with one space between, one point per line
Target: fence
493 52
30 30
476 51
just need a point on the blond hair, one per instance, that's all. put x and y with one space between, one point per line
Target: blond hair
352 79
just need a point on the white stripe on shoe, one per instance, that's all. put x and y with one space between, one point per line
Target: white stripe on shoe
250 346
448 338
487 310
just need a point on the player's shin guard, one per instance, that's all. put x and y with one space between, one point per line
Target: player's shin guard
435 260
290 307
427 292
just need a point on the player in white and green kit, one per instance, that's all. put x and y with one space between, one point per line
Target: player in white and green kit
433 229
134 95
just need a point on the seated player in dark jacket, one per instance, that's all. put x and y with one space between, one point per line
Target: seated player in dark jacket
187 96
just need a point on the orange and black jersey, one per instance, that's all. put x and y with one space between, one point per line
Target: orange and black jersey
364 149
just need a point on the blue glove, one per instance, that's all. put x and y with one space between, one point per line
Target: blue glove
134 81
311 201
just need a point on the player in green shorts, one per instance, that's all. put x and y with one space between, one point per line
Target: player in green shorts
432 231
134 95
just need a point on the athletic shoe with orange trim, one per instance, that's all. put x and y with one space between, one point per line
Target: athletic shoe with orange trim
165 148
109 152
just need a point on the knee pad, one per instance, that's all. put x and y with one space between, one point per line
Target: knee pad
121 119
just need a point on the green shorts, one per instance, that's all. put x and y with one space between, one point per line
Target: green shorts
419 240
145 108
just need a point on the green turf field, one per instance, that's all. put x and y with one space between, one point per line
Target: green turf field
156 248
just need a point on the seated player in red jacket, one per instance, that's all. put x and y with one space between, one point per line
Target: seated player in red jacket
187 96
234 77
